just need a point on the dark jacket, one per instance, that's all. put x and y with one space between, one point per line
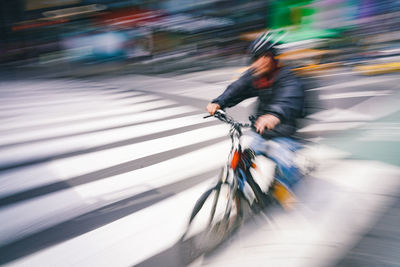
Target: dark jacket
283 99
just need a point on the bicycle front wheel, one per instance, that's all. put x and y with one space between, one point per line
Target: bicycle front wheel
215 216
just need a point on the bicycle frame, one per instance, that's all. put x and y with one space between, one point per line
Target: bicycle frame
239 162
234 186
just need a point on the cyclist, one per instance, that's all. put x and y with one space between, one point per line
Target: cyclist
280 102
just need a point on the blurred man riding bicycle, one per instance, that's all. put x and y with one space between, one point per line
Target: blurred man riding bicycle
280 101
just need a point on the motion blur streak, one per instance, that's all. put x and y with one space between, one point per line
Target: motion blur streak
104 150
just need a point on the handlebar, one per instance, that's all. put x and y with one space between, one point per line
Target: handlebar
222 116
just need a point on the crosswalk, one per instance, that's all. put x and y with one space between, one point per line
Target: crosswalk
83 161
100 174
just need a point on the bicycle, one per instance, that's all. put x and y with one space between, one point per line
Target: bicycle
222 203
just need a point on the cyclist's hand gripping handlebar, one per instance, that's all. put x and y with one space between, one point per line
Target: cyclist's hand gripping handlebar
218 114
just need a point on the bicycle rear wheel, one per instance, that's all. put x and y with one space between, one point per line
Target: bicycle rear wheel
215 216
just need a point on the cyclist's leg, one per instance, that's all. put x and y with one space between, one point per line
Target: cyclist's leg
282 151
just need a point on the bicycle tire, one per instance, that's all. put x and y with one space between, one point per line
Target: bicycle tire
217 226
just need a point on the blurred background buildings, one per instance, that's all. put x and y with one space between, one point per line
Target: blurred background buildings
139 33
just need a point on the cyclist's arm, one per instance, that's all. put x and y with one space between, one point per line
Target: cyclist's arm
236 92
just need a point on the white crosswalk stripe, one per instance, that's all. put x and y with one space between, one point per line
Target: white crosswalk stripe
82 127
42 119
88 105
69 203
124 242
68 104
51 148
54 99
18 180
